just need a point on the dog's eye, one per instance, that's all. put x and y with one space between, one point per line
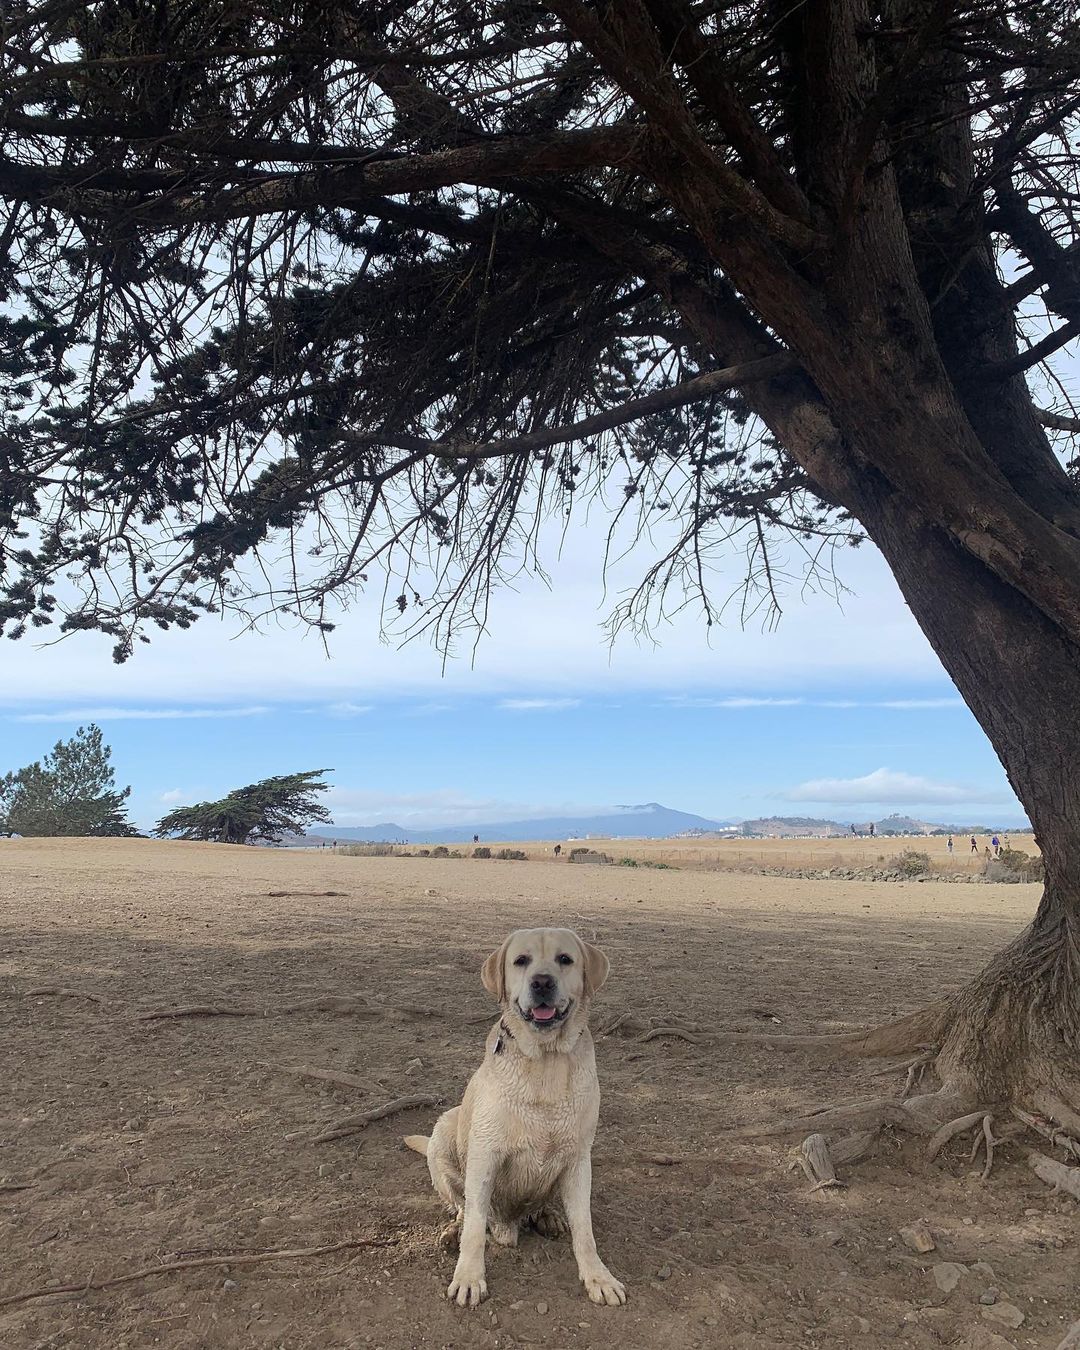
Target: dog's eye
565 960
522 960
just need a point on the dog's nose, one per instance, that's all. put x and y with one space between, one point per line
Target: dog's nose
542 984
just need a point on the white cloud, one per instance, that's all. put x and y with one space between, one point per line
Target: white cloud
84 715
345 709
736 701
530 629
889 787
538 704
441 806
916 703
173 797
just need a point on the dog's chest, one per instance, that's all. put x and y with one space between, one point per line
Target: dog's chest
548 1118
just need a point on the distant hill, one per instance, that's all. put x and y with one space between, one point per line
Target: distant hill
647 821
785 827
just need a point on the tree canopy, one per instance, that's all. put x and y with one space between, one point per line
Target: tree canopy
72 791
261 812
362 287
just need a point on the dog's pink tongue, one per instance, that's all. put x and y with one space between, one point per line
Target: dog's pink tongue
542 1014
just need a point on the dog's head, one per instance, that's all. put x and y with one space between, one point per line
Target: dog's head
544 977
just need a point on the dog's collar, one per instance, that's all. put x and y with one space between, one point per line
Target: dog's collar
504 1030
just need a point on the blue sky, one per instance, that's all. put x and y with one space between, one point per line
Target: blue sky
842 711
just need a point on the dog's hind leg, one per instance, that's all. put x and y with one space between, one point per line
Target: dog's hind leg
550 1222
443 1164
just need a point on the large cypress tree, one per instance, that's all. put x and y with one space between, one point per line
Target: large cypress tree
390 281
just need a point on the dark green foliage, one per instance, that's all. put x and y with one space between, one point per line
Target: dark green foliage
481 852
262 812
72 791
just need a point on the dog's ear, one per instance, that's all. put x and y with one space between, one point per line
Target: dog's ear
596 968
493 973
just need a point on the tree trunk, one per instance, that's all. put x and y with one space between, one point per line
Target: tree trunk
1014 1033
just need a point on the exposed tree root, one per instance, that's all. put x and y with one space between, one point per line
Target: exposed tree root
170 1267
323 1075
353 1124
1055 1174
678 1032
952 1128
288 895
814 1158
17 1185
1049 1131
198 1010
58 991
331 1003
1072 1338
868 1115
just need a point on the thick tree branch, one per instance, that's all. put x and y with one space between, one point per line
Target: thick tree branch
95 192
1057 266
1058 422
694 390
1031 356
625 44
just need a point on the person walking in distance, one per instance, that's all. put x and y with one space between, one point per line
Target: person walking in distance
974 844
949 846
995 844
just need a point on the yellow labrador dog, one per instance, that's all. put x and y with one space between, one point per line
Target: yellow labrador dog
521 1140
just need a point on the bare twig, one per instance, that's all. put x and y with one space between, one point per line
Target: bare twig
323 1075
223 1258
353 1124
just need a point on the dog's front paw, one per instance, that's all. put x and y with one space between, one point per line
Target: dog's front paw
602 1287
468 1288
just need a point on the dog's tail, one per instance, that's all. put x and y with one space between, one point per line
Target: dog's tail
418 1143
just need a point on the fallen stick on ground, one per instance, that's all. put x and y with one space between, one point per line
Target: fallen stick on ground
353 1124
223 1259
309 1071
16 1185
198 1010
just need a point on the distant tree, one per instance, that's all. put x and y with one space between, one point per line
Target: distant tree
267 810
71 791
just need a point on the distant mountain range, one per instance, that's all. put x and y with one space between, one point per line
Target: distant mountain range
647 821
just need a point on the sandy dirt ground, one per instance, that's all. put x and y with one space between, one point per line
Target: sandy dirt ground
147 1141
722 854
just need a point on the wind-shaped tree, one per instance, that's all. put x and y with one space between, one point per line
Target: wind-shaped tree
266 811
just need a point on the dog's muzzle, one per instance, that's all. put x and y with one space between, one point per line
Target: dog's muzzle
544 1015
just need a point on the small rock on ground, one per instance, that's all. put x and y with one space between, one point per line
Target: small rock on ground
947 1275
